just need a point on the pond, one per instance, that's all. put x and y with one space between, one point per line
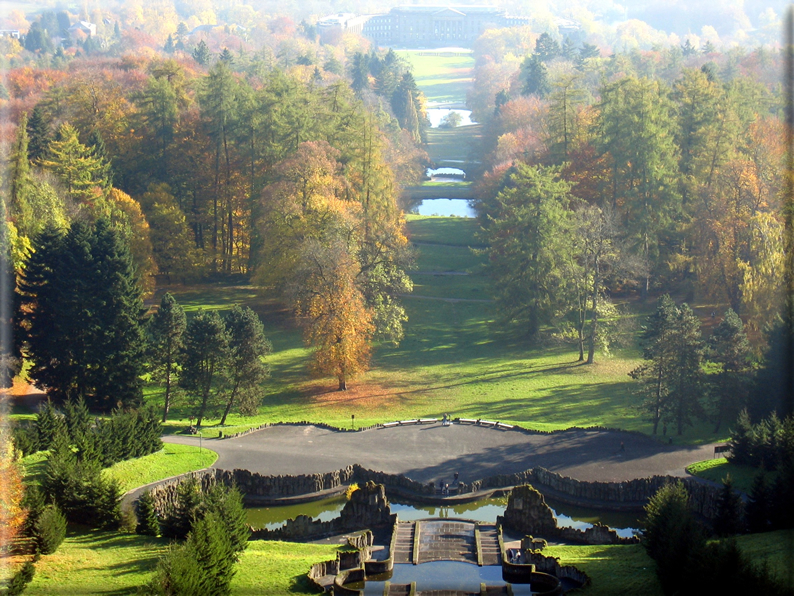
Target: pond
445 207
483 510
446 174
443 575
436 115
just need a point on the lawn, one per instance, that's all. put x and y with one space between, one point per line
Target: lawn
442 78
170 461
454 358
614 570
775 549
99 562
455 147
719 468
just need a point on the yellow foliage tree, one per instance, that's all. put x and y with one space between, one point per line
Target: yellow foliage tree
12 514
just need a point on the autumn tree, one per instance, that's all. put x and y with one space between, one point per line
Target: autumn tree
12 513
338 323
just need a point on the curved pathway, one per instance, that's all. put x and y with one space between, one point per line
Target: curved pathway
433 452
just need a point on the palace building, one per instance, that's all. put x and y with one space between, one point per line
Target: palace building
424 25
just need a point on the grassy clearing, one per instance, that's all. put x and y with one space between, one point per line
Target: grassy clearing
172 460
719 468
455 147
443 79
614 570
99 562
453 358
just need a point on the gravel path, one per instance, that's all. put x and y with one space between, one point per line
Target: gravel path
433 452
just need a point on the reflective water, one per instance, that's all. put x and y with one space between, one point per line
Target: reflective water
484 510
444 575
436 115
445 207
440 173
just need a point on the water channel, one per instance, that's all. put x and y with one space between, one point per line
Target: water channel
483 510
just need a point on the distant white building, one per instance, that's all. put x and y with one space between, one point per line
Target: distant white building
9 33
85 27
345 22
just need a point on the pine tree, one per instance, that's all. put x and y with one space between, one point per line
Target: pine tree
730 348
686 375
205 360
80 171
38 135
534 77
20 182
247 346
50 530
166 329
759 505
546 47
729 518
741 442
148 522
169 45
49 424
201 53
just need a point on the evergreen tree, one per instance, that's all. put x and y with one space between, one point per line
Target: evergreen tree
730 348
183 511
359 73
38 135
169 45
78 425
201 53
80 171
530 220
166 329
50 530
205 361
671 536
742 438
546 48
730 510
148 523
568 50
563 119
686 374
534 77
759 505
19 582
49 424
20 182
247 346
226 56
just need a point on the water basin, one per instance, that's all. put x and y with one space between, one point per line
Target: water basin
445 174
445 207
483 510
436 115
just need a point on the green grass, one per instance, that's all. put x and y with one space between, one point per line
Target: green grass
614 570
443 79
99 562
454 358
719 468
455 147
172 460
776 549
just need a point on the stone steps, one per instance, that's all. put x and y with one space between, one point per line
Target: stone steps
489 545
404 544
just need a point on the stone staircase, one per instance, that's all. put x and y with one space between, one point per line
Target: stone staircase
489 545
404 544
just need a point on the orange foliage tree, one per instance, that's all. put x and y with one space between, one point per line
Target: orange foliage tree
12 514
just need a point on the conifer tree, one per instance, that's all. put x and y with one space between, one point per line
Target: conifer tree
534 77
20 181
148 523
730 348
166 329
201 53
80 171
759 505
205 360
247 346
169 45
38 135
730 514
49 425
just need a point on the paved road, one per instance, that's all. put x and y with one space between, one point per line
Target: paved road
434 452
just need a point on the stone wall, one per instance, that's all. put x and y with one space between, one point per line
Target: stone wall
528 514
367 508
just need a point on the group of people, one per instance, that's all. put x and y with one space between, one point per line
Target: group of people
446 420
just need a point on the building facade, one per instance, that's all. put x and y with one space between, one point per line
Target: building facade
423 25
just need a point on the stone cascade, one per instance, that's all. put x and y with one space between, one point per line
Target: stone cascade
528 513
367 508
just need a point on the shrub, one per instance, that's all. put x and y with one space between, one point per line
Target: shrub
21 579
148 524
50 529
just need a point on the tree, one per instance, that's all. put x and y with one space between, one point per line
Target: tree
82 173
530 221
338 324
148 522
247 346
359 73
671 536
670 381
20 180
534 77
38 135
563 120
166 330
205 359
201 53
759 505
730 348
12 511
50 530
546 47
129 220
730 510
82 316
